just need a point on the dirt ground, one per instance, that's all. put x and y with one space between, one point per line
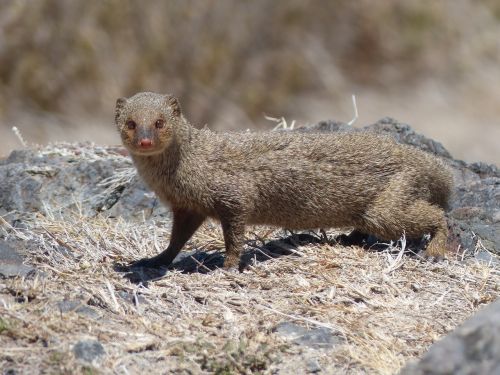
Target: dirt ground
376 310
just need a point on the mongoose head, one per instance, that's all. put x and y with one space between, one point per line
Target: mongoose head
147 122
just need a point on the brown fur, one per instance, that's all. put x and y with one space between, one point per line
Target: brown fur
292 180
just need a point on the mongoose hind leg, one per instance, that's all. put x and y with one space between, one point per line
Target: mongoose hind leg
185 224
437 247
390 221
427 218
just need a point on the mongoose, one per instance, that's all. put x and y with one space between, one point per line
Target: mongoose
293 180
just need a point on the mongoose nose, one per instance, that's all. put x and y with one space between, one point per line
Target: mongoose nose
146 142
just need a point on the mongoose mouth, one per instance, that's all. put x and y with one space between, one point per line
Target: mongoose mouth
146 151
145 143
146 146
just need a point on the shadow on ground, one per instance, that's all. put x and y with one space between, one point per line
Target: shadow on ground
205 262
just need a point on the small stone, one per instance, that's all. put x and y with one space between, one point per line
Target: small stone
318 338
289 331
415 287
487 257
88 350
302 281
312 366
11 263
68 305
131 298
78 307
88 312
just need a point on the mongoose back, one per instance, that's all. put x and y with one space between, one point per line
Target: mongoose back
293 180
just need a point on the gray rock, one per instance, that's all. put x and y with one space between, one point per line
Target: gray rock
473 348
88 350
289 331
68 305
403 133
475 208
78 307
131 298
488 258
88 312
313 366
11 263
327 127
318 338
71 177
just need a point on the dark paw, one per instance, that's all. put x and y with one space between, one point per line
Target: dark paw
356 238
146 263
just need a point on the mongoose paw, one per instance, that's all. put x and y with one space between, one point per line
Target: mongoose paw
231 270
436 249
232 264
146 263
432 258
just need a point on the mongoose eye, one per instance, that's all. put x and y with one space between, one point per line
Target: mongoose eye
131 124
159 124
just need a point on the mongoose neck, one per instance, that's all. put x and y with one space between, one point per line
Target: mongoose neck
165 162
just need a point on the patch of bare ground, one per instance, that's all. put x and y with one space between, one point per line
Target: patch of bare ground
384 307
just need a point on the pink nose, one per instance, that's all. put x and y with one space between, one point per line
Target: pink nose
146 142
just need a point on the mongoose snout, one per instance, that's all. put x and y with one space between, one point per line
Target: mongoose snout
294 180
145 143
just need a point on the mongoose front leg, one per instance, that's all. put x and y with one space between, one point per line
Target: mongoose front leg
185 224
233 229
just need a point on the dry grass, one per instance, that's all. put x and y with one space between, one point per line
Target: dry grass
389 307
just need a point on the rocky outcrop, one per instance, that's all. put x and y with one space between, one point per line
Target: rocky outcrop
59 179
403 133
473 348
93 180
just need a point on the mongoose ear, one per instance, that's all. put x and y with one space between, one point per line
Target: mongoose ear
173 103
120 103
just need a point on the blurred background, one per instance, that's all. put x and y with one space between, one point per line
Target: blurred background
432 64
